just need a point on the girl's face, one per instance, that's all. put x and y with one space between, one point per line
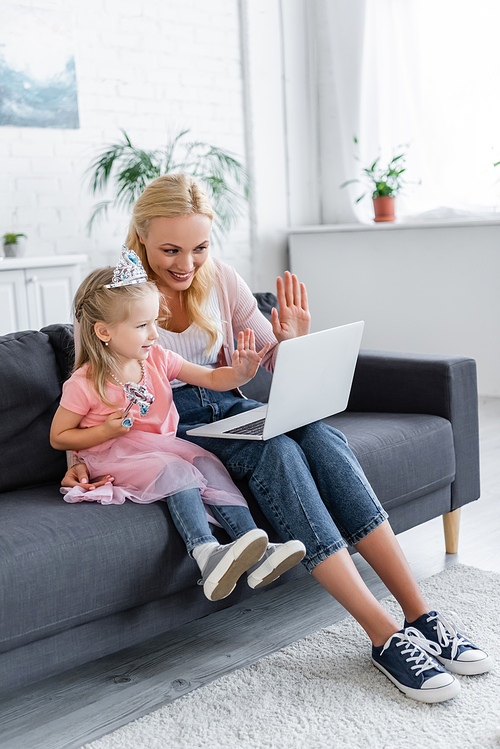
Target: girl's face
177 248
133 338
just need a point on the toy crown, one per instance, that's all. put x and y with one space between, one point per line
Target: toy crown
128 271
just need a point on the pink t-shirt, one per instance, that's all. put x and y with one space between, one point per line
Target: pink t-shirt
161 366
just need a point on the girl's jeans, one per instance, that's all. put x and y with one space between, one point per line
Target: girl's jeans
307 482
190 518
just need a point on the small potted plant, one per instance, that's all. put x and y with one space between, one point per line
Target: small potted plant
128 169
14 245
384 183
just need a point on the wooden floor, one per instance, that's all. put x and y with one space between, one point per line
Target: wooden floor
70 710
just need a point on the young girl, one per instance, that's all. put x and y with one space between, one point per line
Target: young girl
119 365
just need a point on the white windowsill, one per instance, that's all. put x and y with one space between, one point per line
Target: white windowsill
392 226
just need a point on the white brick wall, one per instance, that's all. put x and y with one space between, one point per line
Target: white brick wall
150 67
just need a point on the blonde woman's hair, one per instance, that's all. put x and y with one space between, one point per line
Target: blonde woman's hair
171 196
94 303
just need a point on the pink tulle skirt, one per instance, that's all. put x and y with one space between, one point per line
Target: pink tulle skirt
147 467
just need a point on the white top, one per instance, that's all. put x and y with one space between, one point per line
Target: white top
191 344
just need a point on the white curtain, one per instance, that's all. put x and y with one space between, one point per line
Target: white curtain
339 31
418 72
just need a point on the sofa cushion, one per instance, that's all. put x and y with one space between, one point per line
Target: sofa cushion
404 456
258 388
62 341
65 564
30 395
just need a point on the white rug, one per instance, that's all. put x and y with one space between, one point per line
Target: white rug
323 693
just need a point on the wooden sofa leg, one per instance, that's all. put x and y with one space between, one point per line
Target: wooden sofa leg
451 523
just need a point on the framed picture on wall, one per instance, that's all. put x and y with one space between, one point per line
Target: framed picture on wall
37 68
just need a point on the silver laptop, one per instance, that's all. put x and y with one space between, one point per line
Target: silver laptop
312 379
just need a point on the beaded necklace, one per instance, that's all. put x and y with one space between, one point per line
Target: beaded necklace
137 394
141 364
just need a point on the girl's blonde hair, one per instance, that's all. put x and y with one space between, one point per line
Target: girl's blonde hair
171 196
94 303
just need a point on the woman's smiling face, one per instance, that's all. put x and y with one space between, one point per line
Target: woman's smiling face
177 248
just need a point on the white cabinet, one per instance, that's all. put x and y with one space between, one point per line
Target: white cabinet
13 301
37 291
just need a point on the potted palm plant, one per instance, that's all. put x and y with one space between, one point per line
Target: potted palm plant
384 182
128 169
13 244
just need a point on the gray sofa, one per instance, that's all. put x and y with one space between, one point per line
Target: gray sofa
78 582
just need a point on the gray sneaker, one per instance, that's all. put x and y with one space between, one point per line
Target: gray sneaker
227 563
277 559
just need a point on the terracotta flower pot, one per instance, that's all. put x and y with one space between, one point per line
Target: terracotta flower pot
384 208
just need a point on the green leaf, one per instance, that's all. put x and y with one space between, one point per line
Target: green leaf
101 209
11 238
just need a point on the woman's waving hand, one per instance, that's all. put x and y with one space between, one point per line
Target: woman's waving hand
294 318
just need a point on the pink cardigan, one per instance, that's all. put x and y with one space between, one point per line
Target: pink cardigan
239 310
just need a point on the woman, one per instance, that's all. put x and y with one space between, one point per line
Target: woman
308 483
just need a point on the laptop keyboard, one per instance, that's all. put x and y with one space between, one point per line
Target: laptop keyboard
255 427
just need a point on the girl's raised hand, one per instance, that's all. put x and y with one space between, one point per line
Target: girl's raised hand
246 359
294 318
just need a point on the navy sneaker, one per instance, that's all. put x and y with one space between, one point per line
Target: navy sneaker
404 661
457 653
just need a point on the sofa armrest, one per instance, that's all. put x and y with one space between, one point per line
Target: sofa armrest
388 382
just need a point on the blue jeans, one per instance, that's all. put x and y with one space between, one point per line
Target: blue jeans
190 518
307 482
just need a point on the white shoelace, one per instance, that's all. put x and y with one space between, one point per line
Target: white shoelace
447 631
417 646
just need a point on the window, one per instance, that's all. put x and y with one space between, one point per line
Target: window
431 77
